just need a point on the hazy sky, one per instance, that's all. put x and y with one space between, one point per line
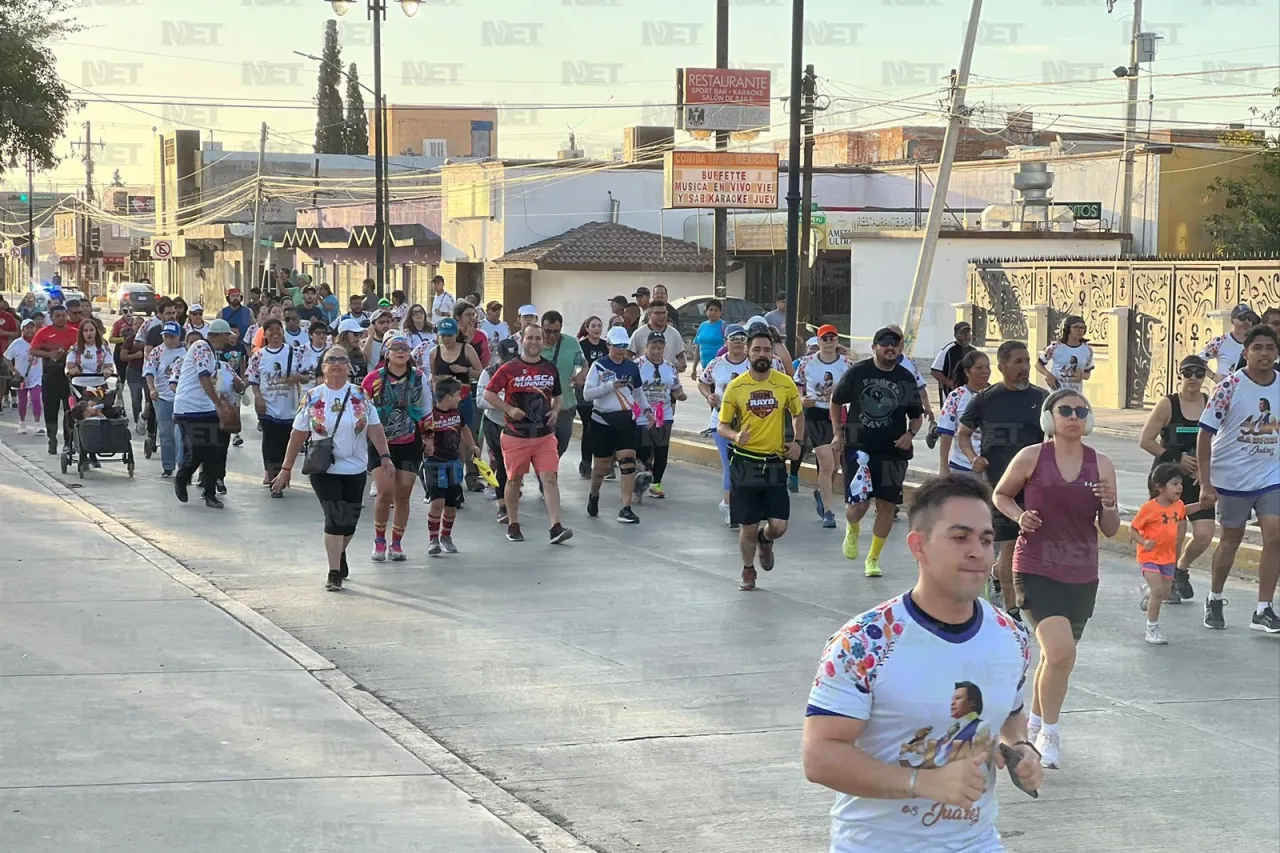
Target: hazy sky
593 65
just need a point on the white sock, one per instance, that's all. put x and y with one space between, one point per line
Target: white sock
1151 624
1262 607
1035 721
1050 728
1215 596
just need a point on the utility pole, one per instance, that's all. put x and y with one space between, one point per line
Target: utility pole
384 287
937 208
793 170
720 222
85 223
1131 124
257 210
377 10
31 220
806 198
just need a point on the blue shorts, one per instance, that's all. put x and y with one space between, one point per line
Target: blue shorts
1165 570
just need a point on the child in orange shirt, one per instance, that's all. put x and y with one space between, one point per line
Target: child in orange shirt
1157 528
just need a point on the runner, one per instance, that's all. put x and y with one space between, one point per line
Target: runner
817 376
971 377
400 393
1062 494
1227 349
201 407
1007 417
661 383
722 370
52 343
28 371
527 391
1240 472
752 416
274 374
1068 361
311 355
156 369
594 347
195 320
566 354
949 357
910 742
1170 436
876 410
449 444
615 391
493 424
495 328
1270 317
1158 527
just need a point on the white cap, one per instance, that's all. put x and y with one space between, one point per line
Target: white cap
618 337
812 342
381 312
27 322
197 308
754 320
528 311
350 325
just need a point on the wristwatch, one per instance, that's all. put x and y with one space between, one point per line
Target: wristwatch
384 456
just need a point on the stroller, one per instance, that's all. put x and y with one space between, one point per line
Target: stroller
99 428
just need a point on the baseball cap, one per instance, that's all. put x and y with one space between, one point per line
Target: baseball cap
654 337
734 329
961 327
350 324
235 291
395 337
756 320
381 312
1244 312
641 291
384 303
447 326
528 311
508 348
219 327
619 300
884 334
812 342
827 329
196 309
618 337
27 322
1193 361
492 304
171 328
305 278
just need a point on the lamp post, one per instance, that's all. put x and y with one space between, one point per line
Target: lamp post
377 11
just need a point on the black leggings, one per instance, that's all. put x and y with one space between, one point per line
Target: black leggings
584 412
493 441
656 446
137 388
54 393
341 497
275 441
204 446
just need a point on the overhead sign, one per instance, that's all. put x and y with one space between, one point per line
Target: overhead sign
161 249
1083 211
720 179
728 99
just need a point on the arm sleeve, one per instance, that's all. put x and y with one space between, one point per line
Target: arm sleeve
844 395
729 408
707 377
1211 349
593 389
794 406
1046 357
254 374
482 385
1088 360
556 389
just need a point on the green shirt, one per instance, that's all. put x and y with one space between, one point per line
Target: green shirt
567 362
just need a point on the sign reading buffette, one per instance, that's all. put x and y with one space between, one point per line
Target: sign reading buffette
727 179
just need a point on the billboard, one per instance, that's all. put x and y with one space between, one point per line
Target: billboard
730 99
725 179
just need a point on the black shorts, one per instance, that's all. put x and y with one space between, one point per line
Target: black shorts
615 436
1006 528
341 497
757 490
817 428
406 457
1040 597
443 481
888 475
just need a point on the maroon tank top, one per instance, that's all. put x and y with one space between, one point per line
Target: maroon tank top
1065 548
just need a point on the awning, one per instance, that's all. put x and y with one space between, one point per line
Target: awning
359 237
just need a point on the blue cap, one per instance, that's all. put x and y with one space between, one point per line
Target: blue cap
447 326
735 329
171 328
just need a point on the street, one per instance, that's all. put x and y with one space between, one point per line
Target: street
624 688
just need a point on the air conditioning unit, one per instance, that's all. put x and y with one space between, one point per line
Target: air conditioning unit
435 148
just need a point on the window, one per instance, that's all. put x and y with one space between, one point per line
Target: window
435 148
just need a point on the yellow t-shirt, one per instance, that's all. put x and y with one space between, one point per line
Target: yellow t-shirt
761 408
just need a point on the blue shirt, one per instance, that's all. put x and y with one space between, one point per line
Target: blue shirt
240 317
330 304
709 338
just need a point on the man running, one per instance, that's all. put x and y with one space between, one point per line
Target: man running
753 417
876 410
1007 415
1239 463
914 698
614 389
662 388
1227 349
818 375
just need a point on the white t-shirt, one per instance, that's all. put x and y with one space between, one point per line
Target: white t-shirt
718 374
1244 418
30 369
442 307
268 370
1226 350
482 385
309 363
940 360
817 379
1068 364
300 338
418 339
894 668
660 382
159 364
319 411
203 330
495 332
949 424
93 360
910 364
189 398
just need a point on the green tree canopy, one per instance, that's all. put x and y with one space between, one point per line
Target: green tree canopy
357 126
34 102
1251 222
330 124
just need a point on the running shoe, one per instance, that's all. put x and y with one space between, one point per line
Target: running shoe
850 542
220 487
502 515
434 548
748 582
1033 730
655 491
395 553
1155 636
139 428
446 542
514 534
560 533
872 567
238 441
22 429
343 569
379 554
764 550
214 503
822 507
584 470
1175 597
334 582
627 515
1144 597
1050 746
793 483
829 521
1266 621
593 505
1213 614
373 489
1182 583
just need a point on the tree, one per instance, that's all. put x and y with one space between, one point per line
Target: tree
34 102
116 180
356 131
1251 223
329 121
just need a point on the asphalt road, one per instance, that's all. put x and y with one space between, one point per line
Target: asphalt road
623 686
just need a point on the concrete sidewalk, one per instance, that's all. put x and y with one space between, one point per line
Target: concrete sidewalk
141 716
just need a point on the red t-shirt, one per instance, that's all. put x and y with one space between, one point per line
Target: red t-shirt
529 387
8 325
51 337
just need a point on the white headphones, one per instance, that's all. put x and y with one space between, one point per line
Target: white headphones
1046 411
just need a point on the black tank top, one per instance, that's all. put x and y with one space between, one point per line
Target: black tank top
1179 436
444 367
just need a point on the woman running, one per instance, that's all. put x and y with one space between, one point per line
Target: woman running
1069 494
1068 361
722 370
972 375
662 388
594 348
274 374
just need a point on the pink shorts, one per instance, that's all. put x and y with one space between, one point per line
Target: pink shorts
518 454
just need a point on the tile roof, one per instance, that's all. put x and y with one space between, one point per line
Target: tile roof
609 246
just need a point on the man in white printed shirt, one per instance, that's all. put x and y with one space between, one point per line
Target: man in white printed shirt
442 303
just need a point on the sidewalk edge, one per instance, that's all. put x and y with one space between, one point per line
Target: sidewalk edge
522 818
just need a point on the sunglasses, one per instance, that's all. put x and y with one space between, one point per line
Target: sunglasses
828 338
1080 412
737 338
1193 373
888 342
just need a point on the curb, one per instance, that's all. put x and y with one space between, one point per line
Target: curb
516 814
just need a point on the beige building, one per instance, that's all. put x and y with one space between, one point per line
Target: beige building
439 131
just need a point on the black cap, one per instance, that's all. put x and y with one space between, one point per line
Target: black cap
641 291
1244 312
886 332
961 327
781 297
508 348
619 299
656 336
1193 361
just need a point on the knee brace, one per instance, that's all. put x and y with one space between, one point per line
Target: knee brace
627 466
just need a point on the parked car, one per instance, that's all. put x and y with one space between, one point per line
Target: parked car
690 311
140 297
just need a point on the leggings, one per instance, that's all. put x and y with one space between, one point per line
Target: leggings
32 393
493 441
341 498
275 442
722 444
656 446
584 412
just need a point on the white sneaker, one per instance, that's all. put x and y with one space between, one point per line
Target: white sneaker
490 493
1033 729
373 490
22 429
1050 744
1155 636
140 428
39 430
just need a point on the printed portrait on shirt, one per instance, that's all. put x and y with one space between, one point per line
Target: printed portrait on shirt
966 735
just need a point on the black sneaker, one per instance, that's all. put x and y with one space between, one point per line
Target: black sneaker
584 470
627 516
334 582
53 447
221 487
344 569
214 503
1213 614
1182 583
514 534
502 515
593 505
180 488
237 441
1266 621
560 533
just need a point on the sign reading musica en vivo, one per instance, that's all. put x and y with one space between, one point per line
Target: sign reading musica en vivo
729 99
727 179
